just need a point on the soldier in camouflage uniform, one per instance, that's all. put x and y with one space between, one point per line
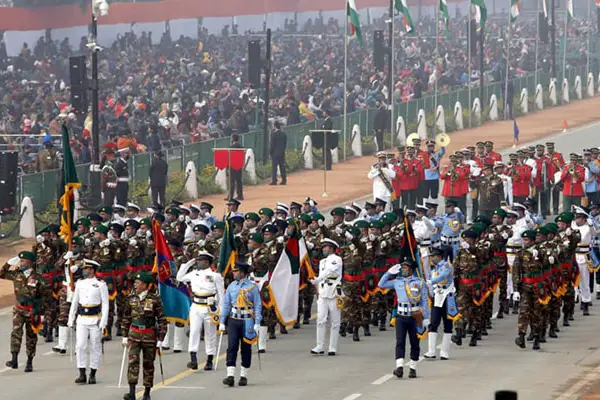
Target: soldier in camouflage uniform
550 258
82 227
258 260
146 243
568 239
176 248
313 235
557 283
132 246
32 294
144 328
484 254
306 290
335 230
198 244
353 279
214 240
266 217
382 246
237 223
120 262
46 252
274 247
173 226
498 236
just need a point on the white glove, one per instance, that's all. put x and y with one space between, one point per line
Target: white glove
535 253
310 245
124 341
348 235
457 210
210 301
68 255
256 327
87 242
516 296
39 239
70 326
132 242
181 218
187 219
339 230
383 245
504 235
551 259
313 281
158 344
280 239
394 270
320 222
148 234
568 232
74 268
105 242
189 263
222 327
14 261
566 242
491 236
102 326
426 323
111 184
139 233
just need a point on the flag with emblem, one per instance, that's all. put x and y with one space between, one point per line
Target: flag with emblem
515 9
354 21
306 270
285 280
480 12
445 16
402 7
175 297
228 252
71 183
570 14
408 246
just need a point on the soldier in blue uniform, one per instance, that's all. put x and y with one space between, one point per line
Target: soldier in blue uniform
438 222
453 221
242 313
595 245
412 315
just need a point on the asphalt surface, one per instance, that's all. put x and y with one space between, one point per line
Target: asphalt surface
562 369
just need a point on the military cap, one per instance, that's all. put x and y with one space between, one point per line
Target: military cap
539 146
293 204
436 251
549 144
318 217
563 218
471 148
173 210
282 208
595 150
517 206
512 213
381 154
116 227
280 224
551 227
573 155
542 231
306 218
132 223
513 155
106 209
422 208
369 205
176 203
174 242
145 221
483 219
206 205
195 207
528 234
185 209
480 144
499 212
269 228
361 224
406 212
376 225
241 266
78 240
27 255
469 234
581 212
429 204
144 277
83 221
409 262
489 143
430 142
53 228
389 216
101 229
401 149
266 211
329 242
257 237
350 210
569 214
94 217
218 225
453 157
233 202
451 203
354 231
205 254
201 228
159 217
252 216
87 263
117 208
236 219
478 227
379 202
339 211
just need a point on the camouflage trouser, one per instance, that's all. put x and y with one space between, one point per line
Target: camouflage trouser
353 304
136 350
471 314
121 300
63 308
111 313
379 305
305 301
544 318
269 317
502 287
487 308
366 311
530 311
22 320
569 301
51 313
554 314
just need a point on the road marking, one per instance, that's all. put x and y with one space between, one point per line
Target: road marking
48 353
571 394
383 379
184 387
4 369
353 396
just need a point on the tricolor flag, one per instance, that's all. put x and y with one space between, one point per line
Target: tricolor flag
402 7
515 9
228 252
481 12
354 22
570 14
446 16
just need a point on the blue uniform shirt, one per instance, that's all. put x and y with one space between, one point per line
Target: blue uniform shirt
434 162
452 224
253 301
418 295
595 253
442 274
438 222
591 173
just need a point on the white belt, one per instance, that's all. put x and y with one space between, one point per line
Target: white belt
126 179
425 243
407 309
450 240
595 242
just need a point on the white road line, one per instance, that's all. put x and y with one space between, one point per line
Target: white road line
383 379
353 396
48 353
5 369
571 394
182 387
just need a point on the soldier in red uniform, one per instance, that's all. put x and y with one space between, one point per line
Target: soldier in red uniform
542 181
456 182
423 158
412 170
481 158
489 151
556 164
521 178
572 176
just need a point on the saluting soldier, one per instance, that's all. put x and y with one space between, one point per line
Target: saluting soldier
567 240
353 280
198 243
214 240
45 252
144 328
258 260
499 233
174 227
32 295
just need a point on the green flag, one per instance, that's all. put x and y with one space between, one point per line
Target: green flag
481 16
354 22
402 7
445 16
570 13
71 183
228 252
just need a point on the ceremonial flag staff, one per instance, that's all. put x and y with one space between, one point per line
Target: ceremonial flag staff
346 16
507 72
568 16
537 43
391 71
436 54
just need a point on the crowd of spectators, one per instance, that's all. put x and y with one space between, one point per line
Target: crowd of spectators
159 92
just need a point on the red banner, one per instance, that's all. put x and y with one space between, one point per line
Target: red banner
233 158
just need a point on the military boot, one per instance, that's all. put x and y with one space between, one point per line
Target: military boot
209 363
507 305
81 379
500 314
13 362
374 319
355 336
272 333
131 394
146 393
586 308
49 335
193 364
283 329
412 373
343 329
119 333
399 372
297 323
382 323
367 329
536 343
29 365
92 380
515 307
457 338
520 340
543 336
531 336
473 341
552 332
566 320
107 335
306 318
483 332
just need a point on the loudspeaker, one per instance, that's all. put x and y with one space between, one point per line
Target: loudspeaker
79 99
378 50
77 71
8 182
543 23
473 35
254 63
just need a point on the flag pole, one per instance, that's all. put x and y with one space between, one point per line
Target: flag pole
506 99
537 43
391 72
345 76
565 42
469 62
589 42
436 54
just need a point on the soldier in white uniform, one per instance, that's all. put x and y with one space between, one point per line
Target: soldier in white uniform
207 294
514 246
382 175
330 302
63 331
582 256
423 229
90 304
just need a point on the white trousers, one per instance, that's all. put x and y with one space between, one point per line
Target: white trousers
326 308
95 336
584 280
178 336
200 316
426 267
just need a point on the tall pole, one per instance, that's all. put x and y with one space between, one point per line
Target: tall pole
436 54
537 43
95 175
391 54
553 39
481 67
469 62
589 44
506 77
565 40
345 76
267 92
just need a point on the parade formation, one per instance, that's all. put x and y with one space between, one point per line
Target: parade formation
400 261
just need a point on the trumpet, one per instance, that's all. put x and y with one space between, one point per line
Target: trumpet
556 163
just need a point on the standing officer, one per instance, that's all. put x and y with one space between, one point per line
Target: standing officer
456 185
122 171
90 304
329 283
241 312
452 221
327 126
432 171
207 294
144 328
109 177
380 124
582 257
236 176
412 316
556 163
277 152
158 178
352 258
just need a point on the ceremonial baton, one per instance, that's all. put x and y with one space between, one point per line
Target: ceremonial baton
122 365
219 350
162 374
259 362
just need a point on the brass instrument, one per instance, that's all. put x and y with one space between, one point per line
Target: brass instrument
411 137
442 140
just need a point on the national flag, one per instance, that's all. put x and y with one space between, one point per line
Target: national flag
228 252
306 270
515 9
402 7
445 16
354 22
597 3
515 132
71 183
284 283
408 247
481 12
570 14
175 297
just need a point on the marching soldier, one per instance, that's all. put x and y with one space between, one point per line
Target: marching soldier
453 220
556 279
90 304
32 294
498 236
266 217
382 175
207 292
258 260
423 229
567 241
521 178
595 248
242 312
582 257
353 279
556 164
122 172
144 328
382 246
45 252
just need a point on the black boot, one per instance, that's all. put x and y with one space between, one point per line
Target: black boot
473 341
412 373
107 335
457 338
566 320
209 363
349 328
44 331
306 319
530 337
13 362
355 336
382 324
520 340
119 333
536 343
343 329
146 393
92 380
131 394
488 324
81 379
297 324
469 331
374 319
543 336
29 365
367 329
399 372
229 381
243 381
500 314
283 330
49 335
193 364
271 331
586 308
552 332
483 332
515 307
571 316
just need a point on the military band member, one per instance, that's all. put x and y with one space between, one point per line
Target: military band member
489 151
456 186
432 170
592 172
32 294
423 229
133 212
556 165
582 256
572 177
412 316
242 312
330 296
595 247
382 175
207 292
118 214
72 272
90 305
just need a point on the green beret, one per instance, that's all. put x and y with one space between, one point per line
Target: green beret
529 234
570 215
257 237
27 255
78 240
252 216
361 224
218 225
469 234
291 220
376 225
145 277
43 230
145 221
542 231
389 216
266 211
483 219
339 211
306 218
354 231
499 212
479 227
174 211
83 221
551 227
106 209
318 217
101 229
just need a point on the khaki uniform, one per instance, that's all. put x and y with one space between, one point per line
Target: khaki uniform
46 160
528 281
353 280
467 273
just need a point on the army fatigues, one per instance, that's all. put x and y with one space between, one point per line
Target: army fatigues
467 273
46 265
570 271
104 254
258 260
273 251
489 283
379 302
499 235
554 279
307 293
353 280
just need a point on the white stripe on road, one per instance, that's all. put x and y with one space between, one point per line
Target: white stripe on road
571 394
5 369
48 353
183 387
383 379
353 396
